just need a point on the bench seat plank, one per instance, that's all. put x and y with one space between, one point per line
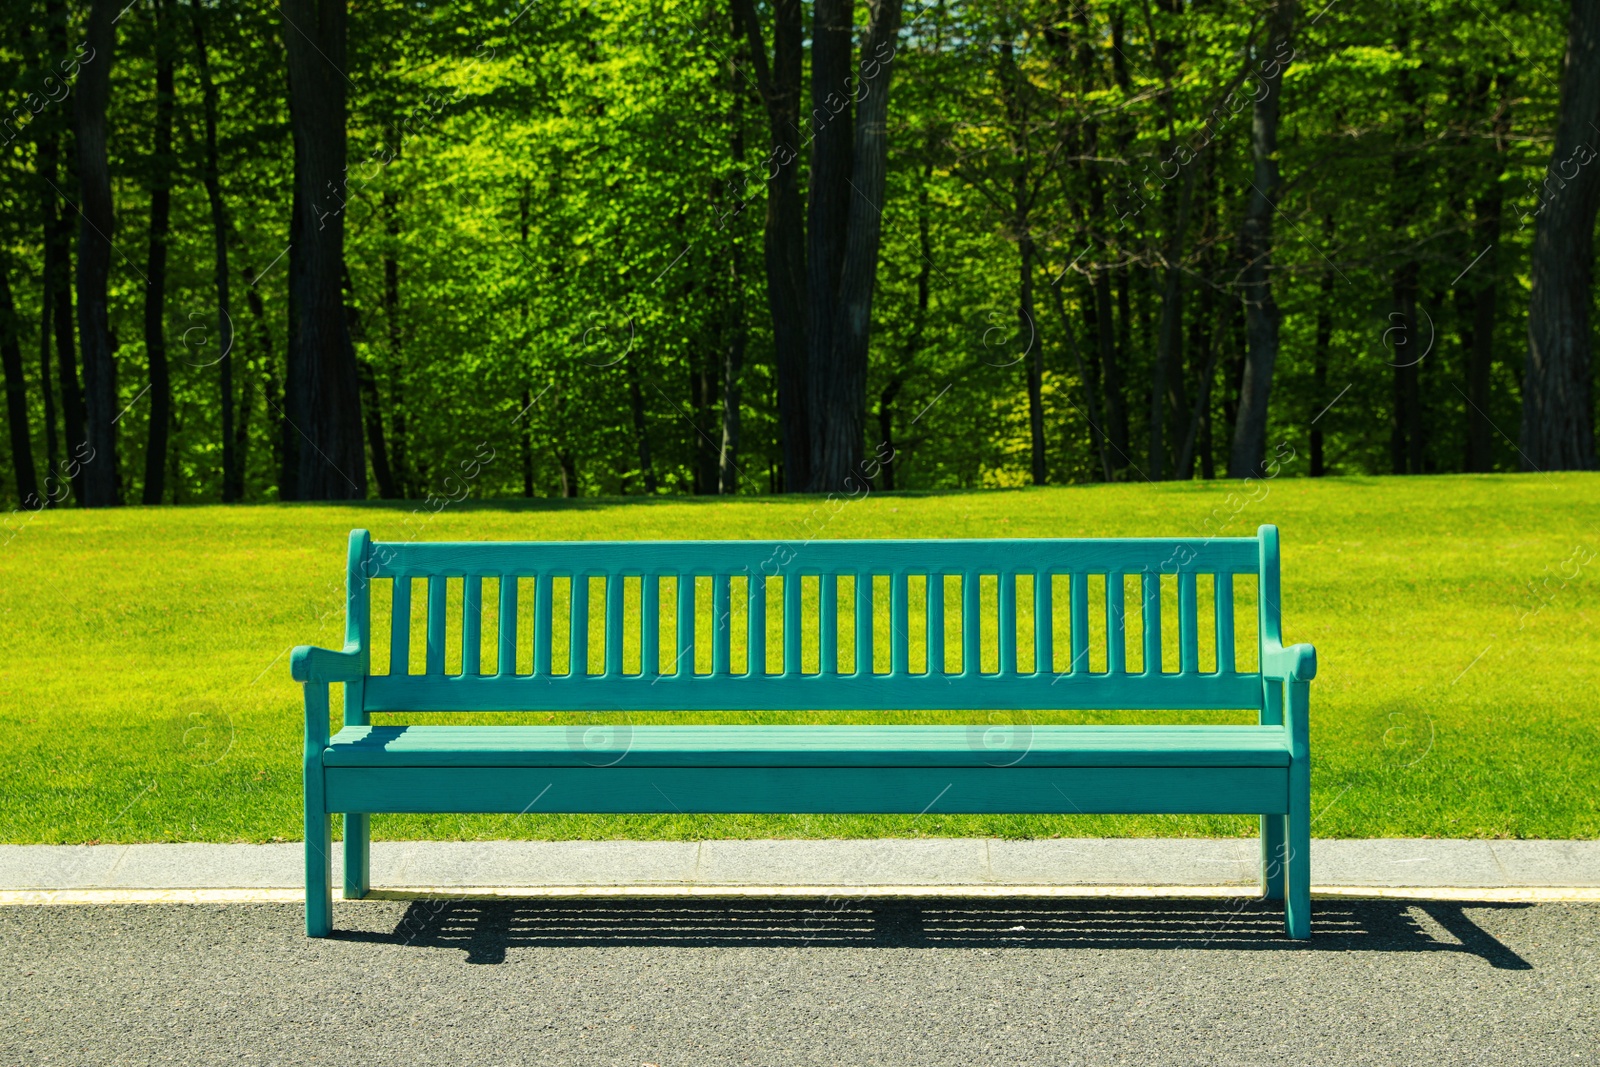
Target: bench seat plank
811 790
808 746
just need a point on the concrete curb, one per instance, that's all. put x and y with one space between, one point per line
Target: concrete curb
42 897
1486 870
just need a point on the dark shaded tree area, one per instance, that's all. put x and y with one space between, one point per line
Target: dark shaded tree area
314 251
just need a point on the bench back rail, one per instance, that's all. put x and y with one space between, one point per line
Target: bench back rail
969 624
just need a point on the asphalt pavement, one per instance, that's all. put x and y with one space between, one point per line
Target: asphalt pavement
836 981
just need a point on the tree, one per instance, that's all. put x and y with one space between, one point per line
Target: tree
1557 391
16 397
155 293
232 460
101 476
1262 317
848 178
323 416
784 232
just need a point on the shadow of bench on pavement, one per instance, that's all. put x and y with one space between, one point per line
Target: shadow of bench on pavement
486 929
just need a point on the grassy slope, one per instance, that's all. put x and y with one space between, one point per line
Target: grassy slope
145 693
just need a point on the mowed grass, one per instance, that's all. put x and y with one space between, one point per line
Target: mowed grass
145 691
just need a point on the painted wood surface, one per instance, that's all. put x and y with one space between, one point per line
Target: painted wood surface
810 746
813 692
1128 790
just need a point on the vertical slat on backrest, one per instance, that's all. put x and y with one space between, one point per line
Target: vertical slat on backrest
506 656
1080 622
935 622
1188 624
358 623
721 623
400 627
863 624
471 624
791 622
899 622
650 625
757 590
1224 598
684 654
435 660
1116 625
1044 655
971 624
1152 622
828 616
615 586
544 615
579 666
1007 583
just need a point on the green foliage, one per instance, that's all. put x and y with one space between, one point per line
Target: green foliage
569 201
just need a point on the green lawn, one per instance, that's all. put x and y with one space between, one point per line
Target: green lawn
145 691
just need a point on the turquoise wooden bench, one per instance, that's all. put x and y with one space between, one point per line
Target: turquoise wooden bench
784 600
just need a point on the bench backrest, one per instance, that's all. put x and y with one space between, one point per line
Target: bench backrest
1020 624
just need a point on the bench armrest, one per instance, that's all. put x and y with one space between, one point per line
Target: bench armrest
324 665
1297 663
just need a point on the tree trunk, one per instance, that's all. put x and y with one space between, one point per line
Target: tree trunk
57 234
641 437
241 424
155 293
47 299
827 231
101 473
1557 391
260 339
1402 339
1203 351
735 325
524 419
289 437
52 443
324 403
839 408
525 437
1319 360
1116 392
732 371
784 236
887 450
17 398
373 410
232 462
569 472
1011 88
1480 360
1261 310
1167 387
1087 375
1026 323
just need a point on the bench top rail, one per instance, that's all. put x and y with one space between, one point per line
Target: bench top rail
1144 623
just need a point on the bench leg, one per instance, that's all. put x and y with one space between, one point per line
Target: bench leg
1273 828
319 860
1297 903
357 856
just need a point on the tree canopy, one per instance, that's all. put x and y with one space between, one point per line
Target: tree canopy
431 250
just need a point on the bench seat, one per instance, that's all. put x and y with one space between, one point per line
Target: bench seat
808 746
1236 770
